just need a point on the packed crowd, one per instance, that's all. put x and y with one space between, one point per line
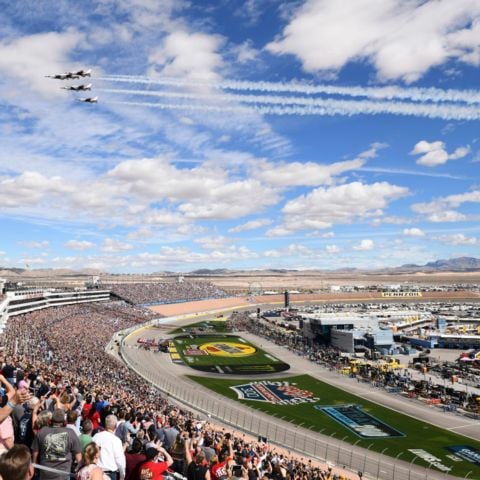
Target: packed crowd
394 381
165 292
79 410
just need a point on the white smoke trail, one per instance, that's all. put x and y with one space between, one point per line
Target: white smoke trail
386 93
348 107
329 107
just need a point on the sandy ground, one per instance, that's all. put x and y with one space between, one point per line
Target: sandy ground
319 280
237 282
232 302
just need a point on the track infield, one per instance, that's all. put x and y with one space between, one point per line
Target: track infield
207 326
229 354
306 401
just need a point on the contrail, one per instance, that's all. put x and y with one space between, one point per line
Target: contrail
386 93
328 107
345 107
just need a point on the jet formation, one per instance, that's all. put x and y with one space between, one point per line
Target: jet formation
75 75
78 88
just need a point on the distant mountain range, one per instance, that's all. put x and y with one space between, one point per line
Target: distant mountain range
461 264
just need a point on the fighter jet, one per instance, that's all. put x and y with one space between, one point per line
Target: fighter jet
78 88
88 100
82 73
64 76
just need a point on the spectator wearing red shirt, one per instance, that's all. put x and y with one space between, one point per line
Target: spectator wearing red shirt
220 469
152 469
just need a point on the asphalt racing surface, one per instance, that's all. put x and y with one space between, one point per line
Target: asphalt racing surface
150 363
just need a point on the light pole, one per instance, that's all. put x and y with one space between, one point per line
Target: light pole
468 473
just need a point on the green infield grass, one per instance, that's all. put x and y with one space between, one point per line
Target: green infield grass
406 433
207 326
226 354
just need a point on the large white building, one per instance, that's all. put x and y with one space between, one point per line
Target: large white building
24 301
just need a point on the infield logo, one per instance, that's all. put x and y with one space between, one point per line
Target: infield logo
279 393
471 454
360 422
228 349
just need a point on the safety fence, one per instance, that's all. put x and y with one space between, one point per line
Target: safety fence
279 432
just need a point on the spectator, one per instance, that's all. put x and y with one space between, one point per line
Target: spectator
112 457
165 292
8 371
86 435
90 470
49 344
134 457
6 435
56 447
151 469
197 468
72 421
16 464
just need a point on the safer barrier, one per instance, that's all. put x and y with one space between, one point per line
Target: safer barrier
279 432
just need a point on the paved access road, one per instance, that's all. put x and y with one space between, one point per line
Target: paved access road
172 378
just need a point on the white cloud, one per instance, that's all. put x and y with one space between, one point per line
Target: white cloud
185 54
332 249
245 52
389 219
163 218
157 178
413 232
442 209
29 188
324 207
403 40
142 233
434 153
79 244
36 244
30 58
447 216
319 234
297 174
231 200
272 253
291 250
458 239
251 225
364 245
213 243
310 173
111 245
29 261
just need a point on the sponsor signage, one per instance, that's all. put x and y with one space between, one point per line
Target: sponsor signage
228 349
192 352
431 459
359 422
471 454
279 393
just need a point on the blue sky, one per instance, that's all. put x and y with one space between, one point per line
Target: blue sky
257 134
